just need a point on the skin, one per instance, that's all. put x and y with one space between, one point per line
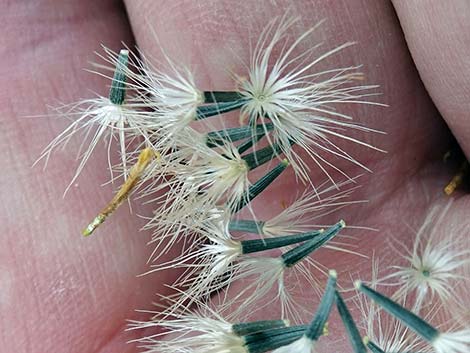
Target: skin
63 293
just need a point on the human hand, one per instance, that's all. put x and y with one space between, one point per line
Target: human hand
63 293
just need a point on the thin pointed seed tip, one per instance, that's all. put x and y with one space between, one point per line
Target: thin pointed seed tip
87 231
147 154
333 273
342 223
286 322
124 52
93 225
357 284
365 340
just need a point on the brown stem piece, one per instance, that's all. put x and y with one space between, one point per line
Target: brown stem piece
458 178
145 157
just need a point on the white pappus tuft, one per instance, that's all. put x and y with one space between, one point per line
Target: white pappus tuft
192 332
99 119
188 224
205 265
453 342
103 118
219 175
171 94
302 345
259 275
283 89
434 264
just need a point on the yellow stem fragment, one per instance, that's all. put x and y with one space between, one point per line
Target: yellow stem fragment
326 330
458 178
145 157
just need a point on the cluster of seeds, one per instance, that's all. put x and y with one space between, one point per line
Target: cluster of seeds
176 150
